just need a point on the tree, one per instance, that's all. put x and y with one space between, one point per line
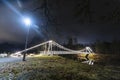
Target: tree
49 18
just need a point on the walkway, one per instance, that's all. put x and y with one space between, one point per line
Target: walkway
10 59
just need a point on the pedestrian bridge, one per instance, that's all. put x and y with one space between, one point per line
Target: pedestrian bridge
51 47
59 52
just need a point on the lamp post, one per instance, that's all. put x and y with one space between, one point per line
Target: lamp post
27 22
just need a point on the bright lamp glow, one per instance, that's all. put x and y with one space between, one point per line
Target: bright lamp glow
27 21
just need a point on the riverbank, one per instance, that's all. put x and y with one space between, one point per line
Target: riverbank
58 68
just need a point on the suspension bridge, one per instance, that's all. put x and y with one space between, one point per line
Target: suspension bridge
51 47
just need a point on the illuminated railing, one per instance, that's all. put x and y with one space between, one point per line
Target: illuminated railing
50 44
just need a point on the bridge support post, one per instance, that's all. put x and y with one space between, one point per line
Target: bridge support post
45 49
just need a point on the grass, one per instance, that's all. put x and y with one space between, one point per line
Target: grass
59 68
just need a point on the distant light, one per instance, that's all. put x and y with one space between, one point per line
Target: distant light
27 21
18 52
87 48
50 41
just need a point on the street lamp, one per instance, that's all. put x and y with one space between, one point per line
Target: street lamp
27 22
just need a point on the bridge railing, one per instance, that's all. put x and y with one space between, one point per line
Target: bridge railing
50 44
59 52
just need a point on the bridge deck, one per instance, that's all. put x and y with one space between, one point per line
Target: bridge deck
59 52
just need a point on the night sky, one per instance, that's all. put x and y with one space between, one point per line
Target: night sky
86 20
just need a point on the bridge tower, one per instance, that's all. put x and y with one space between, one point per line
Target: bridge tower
49 48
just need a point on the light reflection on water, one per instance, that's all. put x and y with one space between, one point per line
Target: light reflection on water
87 59
89 62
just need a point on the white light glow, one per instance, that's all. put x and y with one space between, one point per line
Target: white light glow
50 41
27 21
87 48
17 54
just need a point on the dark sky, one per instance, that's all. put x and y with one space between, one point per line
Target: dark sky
87 20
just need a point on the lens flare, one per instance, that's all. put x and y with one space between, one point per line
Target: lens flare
12 7
27 21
